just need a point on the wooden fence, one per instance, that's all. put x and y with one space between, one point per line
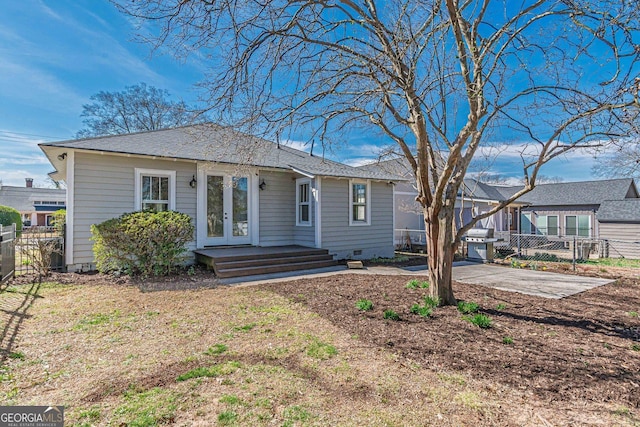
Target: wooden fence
7 252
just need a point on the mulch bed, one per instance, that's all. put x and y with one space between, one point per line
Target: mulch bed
584 348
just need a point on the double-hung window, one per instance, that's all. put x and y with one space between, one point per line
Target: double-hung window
155 190
360 203
577 225
303 201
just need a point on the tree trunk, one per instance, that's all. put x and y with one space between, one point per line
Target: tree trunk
440 251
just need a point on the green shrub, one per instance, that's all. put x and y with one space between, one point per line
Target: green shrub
415 284
423 311
59 220
481 320
507 340
391 315
432 302
364 305
10 216
465 307
146 243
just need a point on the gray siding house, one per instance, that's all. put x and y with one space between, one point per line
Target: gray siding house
569 209
475 198
619 224
606 209
239 190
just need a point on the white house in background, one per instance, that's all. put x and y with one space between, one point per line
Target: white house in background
36 205
239 190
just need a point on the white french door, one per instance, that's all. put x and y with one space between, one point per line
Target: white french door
224 215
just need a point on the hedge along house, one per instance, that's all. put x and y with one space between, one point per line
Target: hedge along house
240 190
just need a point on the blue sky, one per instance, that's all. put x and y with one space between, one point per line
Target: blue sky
55 54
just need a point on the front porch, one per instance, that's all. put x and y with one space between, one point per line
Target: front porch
237 261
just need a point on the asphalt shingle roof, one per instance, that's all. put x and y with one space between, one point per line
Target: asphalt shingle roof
619 211
573 193
22 198
219 144
555 194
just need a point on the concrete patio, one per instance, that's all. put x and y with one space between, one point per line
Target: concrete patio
531 282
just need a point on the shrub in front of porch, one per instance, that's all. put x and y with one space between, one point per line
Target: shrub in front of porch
145 243
10 216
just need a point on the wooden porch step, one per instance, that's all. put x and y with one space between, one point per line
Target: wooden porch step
277 253
227 265
251 260
268 269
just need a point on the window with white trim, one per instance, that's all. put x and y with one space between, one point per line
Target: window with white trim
577 225
155 190
547 225
303 201
359 202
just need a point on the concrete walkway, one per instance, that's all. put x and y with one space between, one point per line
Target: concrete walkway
531 282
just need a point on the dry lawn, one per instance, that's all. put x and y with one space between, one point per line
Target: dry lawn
285 355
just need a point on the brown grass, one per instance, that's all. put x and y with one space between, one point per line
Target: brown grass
113 354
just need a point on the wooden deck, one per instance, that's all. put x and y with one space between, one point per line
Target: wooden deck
236 261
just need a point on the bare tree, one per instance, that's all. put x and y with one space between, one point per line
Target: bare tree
443 76
137 108
623 160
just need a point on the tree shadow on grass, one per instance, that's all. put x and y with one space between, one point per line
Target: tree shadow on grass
14 308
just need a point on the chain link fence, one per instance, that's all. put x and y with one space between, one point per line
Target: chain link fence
407 240
535 247
570 249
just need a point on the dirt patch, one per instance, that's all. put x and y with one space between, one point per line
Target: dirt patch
196 277
581 350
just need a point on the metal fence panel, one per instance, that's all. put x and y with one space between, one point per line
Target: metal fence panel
32 241
7 252
621 249
409 240
551 248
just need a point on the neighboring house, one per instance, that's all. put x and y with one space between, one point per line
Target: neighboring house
36 205
239 190
619 223
474 198
568 209
606 209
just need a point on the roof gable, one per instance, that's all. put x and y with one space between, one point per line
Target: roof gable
627 210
